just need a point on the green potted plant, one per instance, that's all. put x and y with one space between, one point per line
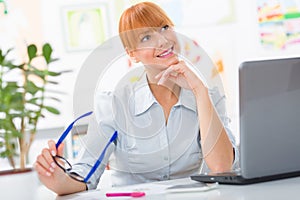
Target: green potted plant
23 101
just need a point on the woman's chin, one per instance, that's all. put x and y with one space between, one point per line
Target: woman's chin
173 60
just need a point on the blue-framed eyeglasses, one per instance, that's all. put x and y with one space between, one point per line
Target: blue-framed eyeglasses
65 165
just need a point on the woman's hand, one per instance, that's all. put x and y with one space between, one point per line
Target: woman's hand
49 173
181 75
52 176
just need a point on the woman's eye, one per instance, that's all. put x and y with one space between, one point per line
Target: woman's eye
164 28
145 38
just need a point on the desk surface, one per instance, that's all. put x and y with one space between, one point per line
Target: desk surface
281 189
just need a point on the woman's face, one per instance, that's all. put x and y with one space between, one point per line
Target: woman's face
156 48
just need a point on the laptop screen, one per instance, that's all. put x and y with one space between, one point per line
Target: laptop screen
269 116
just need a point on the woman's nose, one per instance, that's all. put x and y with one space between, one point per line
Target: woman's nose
161 40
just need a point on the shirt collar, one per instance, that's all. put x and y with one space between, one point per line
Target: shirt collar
187 99
144 99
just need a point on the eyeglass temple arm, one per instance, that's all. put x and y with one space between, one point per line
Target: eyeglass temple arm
97 163
65 133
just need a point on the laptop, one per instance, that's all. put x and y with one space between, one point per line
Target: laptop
269 109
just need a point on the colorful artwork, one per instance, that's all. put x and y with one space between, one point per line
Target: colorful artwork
86 26
279 23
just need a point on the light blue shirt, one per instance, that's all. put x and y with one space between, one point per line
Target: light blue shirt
147 148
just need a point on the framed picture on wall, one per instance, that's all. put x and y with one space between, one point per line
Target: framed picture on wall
85 26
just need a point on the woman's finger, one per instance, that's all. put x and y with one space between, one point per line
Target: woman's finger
41 170
47 164
60 149
52 147
158 76
47 155
53 150
172 71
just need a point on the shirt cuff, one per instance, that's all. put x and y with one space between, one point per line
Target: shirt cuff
83 169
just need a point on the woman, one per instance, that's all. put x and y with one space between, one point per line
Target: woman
167 125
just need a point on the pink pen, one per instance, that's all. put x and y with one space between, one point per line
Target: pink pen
126 194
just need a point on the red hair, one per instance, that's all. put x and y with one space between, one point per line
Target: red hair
141 15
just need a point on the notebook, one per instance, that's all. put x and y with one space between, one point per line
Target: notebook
269 117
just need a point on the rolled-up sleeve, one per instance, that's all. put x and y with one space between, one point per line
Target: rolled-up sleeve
100 130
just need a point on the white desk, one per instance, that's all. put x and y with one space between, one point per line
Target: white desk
281 189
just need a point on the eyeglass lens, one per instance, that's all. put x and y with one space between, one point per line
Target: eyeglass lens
65 164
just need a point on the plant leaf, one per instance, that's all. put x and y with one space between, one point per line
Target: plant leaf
52 110
53 82
34 101
3 55
54 98
31 50
32 88
51 73
47 51
54 59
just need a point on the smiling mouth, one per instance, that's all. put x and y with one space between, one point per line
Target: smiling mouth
166 53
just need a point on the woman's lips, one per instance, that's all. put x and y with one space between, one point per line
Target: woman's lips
166 53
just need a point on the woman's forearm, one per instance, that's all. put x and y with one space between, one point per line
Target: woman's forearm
69 186
216 146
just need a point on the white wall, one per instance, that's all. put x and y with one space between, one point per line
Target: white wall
39 21
235 42
54 31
